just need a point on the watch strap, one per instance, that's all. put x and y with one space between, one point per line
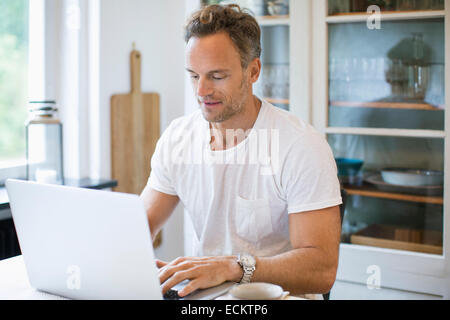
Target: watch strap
248 274
248 271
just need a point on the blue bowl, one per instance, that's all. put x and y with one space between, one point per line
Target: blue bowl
348 167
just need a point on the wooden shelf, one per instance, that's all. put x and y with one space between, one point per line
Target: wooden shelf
277 101
383 132
390 237
385 16
409 12
371 192
386 105
267 21
396 196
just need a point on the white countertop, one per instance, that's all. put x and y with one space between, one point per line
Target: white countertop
14 284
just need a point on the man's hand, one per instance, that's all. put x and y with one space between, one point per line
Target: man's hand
203 273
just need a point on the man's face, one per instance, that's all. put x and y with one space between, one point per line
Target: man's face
220 84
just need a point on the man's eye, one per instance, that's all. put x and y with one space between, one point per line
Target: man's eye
194 77
218 78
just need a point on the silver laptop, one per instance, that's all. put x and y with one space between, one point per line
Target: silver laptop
87 244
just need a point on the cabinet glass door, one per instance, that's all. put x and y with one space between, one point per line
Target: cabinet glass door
386 122
273 84
387 78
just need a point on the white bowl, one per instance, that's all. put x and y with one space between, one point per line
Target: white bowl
412 177
257 291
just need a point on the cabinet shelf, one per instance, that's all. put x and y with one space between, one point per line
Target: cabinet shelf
386 105
370 191
385 236
382 132
267 21
277 101
385 16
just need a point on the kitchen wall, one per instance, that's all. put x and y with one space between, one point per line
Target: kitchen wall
157 29
87 47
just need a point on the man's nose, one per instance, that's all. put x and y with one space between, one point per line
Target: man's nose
204 88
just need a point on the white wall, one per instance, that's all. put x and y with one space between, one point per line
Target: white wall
88 43
157 29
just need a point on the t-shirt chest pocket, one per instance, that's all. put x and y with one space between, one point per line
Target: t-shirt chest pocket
253 219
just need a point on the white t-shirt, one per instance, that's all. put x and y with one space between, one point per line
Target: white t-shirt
239 199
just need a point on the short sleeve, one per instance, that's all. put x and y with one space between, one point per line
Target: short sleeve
309 175
160 176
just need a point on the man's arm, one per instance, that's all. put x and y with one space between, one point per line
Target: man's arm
312 264
309 268
159 206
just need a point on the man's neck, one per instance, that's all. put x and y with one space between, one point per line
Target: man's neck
240 125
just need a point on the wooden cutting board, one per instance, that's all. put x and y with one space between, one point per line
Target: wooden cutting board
135 130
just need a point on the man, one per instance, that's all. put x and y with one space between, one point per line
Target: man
271 218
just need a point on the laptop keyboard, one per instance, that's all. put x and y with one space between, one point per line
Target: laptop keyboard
171 295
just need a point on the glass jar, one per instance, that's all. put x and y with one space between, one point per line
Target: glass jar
44 144
418 69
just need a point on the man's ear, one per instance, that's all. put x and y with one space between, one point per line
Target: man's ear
254 69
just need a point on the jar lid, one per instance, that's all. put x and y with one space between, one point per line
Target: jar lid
43 108
43 102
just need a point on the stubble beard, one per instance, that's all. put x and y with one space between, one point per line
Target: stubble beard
234 107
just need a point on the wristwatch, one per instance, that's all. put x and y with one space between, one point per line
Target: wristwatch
248 264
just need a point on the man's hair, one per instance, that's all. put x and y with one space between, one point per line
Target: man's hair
241 26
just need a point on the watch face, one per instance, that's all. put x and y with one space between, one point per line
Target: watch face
248 260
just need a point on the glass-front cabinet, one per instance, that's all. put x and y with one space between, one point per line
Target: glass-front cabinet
386 87
383 110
